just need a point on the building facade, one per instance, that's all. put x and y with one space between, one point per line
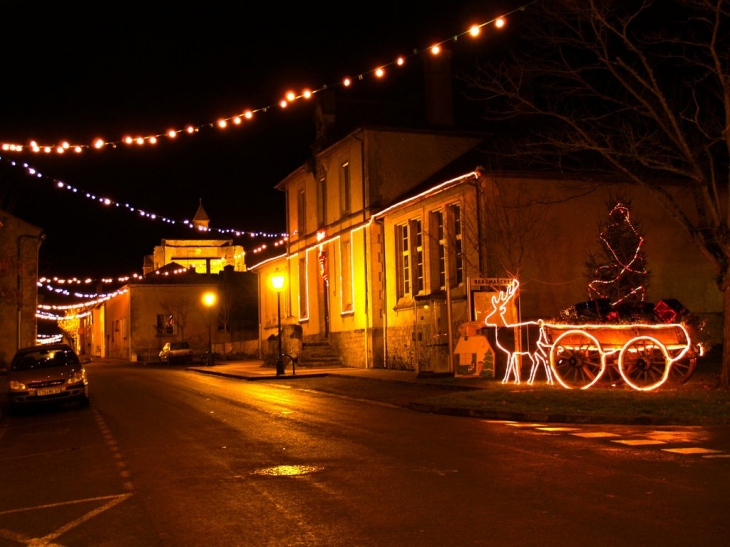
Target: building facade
166 304
19 246
386 281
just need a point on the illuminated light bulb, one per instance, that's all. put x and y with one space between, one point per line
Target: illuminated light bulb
346 82
380 73
290 96
59 184
65 145
140 140
190 129
172 133
128 140
98 143
60 150
248 114
283 103
6 147
77 149
222 124
500 22
107 201
33 144
47 149
435 50
475 30
36 149
237 120
400 61
306 94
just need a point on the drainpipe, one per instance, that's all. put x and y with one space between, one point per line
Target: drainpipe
381 223
39 238
365 207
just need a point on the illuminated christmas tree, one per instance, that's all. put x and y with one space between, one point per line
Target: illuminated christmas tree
619 274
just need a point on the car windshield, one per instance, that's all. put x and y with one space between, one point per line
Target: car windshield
179 345
44 358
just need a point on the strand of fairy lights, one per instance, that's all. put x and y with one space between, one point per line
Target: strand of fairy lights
597 286
108 202
239 118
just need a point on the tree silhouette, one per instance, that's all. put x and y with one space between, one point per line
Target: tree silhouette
637 91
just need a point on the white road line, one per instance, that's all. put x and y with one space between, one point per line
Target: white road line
692 450
638 442
595 434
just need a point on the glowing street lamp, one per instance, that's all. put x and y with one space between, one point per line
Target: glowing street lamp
209 299
278 280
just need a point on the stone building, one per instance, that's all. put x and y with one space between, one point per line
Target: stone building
166 303
19 246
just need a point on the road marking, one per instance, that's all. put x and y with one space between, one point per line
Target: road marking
639 442
595 434
693 450
516 424
559 428
48 539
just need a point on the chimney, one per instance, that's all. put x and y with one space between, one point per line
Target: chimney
439 94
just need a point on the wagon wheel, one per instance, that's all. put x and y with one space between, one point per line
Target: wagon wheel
644 363
682 369
577 360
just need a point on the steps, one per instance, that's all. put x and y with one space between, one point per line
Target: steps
318 354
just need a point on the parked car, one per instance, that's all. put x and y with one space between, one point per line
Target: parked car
176 352
51 373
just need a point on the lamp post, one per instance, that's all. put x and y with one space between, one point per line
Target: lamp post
209 301
277 283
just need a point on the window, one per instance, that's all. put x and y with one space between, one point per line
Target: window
409 238
165 324
404 261
322 203
346 275
418 232
458 277
345 187
303 303
301 213
439 249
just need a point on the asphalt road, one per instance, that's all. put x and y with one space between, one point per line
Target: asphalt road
174 458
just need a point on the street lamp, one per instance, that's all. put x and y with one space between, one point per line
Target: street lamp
277 283
209 301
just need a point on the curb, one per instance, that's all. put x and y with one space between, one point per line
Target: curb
536 417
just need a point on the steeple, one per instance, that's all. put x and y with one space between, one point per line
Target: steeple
201 220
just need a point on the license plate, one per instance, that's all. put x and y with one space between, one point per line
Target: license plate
49 391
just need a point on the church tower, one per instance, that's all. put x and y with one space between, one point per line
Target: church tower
201 220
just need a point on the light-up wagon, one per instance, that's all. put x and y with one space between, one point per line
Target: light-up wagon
644 356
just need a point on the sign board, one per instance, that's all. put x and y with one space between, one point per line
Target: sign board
480 291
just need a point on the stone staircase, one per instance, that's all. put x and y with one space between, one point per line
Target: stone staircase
318 354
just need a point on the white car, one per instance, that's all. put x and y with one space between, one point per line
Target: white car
176 351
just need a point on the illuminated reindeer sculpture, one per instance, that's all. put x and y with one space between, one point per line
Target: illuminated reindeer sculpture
539 356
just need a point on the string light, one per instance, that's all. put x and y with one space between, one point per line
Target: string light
379 72
108 202
602 288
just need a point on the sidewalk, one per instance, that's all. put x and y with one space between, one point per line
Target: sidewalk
255 370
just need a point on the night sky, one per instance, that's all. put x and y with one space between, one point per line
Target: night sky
77 73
